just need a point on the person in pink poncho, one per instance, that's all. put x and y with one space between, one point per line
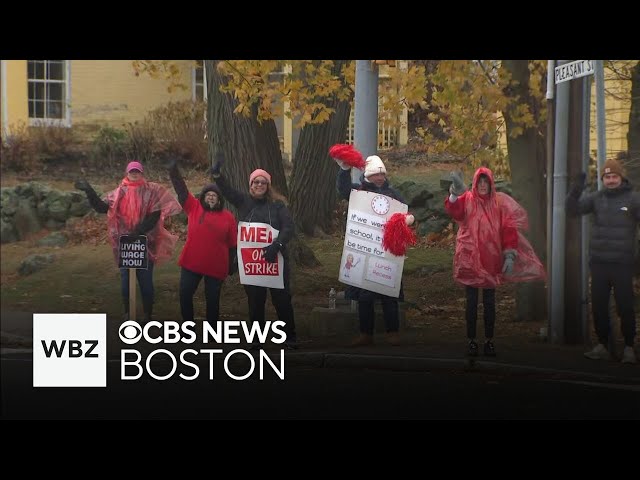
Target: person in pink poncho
490 248
137 207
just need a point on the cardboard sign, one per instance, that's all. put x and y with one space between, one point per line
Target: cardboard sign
133 252
252 267
365 263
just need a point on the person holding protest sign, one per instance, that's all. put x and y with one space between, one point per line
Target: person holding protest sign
137 207
375 180
490 249
616 215
210 246
260 212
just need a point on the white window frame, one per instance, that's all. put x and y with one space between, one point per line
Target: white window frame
194 84
65 121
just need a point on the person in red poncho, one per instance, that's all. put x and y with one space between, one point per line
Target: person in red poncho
490 248
210 246
137 207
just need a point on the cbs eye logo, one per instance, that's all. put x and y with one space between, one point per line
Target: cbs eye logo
130 332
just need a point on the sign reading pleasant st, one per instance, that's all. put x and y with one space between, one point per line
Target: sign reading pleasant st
575 69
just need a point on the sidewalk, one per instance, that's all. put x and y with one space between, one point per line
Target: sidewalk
420 350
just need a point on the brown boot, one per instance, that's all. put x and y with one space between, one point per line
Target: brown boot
393 338
362 340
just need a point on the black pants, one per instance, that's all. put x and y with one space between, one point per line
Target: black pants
189 282
145 281
471 314
366 313
281 299
605 276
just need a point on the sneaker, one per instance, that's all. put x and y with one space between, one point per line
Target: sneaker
362 340
393 338
473 349
489 349
628 356
599 352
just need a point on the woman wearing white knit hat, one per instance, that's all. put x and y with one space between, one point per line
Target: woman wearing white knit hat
375 180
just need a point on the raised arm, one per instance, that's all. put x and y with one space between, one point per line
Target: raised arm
235 197
178 182
576 203
96 203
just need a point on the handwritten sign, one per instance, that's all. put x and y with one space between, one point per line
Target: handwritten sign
364 262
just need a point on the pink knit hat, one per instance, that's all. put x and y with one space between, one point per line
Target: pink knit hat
135 166
259 173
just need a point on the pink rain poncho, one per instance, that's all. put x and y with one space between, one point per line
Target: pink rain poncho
489 225
130 203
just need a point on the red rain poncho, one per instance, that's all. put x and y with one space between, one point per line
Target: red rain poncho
489 225
130 203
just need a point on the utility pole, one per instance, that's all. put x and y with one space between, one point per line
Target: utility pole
550 130
568 321
586 221
573 249
366 112
556 334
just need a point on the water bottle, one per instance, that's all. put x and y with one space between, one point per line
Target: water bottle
332 299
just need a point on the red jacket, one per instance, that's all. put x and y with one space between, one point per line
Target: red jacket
488 225
209 237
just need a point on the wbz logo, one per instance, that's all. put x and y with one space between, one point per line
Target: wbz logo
69 350
74 350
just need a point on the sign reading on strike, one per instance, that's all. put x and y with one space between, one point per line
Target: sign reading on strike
252 267
133 252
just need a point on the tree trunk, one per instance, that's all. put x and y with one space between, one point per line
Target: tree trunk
246 144
313 180
527 160
633 135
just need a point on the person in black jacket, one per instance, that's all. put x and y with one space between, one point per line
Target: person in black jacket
374 179
137 207
263 204
616 214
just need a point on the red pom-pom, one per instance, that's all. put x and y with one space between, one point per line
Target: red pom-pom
347 154
397 236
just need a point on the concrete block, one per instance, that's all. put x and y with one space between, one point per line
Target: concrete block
324 322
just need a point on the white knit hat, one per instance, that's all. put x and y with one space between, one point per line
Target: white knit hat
374 165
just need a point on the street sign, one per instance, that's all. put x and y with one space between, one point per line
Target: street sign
575 69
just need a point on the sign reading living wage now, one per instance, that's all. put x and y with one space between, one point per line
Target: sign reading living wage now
364 263
252 267
133 252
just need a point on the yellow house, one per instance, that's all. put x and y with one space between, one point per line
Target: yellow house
617 104
75 92
92 92
88 92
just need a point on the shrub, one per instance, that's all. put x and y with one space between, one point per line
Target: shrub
179 131
141 142
17 150
110 146
55 144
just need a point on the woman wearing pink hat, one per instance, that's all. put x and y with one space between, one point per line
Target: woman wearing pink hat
137 207
264 205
